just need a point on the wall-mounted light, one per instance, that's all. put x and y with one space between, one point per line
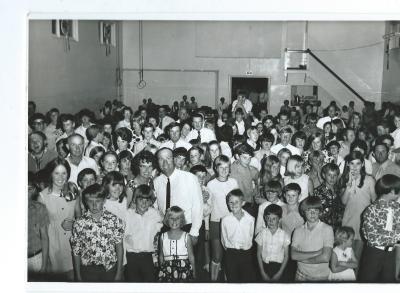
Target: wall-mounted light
107 35
66 29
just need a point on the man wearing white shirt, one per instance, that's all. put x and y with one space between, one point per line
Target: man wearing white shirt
179 188
242 102
285 135
85 117
76 159
164 119
331 116
174 131
198 131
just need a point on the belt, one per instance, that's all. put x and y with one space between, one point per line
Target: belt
385 248
34 253
168 258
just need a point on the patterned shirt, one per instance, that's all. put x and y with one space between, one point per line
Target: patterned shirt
332 207
94 240
37 218
379 223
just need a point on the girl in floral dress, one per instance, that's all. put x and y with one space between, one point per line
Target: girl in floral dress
176 255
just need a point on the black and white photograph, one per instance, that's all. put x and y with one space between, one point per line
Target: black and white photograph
215 151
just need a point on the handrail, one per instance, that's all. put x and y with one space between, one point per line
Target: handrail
335 75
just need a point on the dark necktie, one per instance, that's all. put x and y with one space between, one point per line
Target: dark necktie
199 136
168 204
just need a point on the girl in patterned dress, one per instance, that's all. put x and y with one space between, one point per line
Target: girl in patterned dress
176 255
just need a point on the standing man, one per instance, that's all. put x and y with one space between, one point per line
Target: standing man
164 118
199 132
383 165
242 102
179 188
76 160
39 154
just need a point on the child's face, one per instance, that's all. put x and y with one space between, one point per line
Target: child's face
110 163
298 169
68 126
88 180
316 144
148 133
125 164
235 204
107 128
331 177
179 161
174 221
97 157
300 143
244 159
201 176
266 145
142 204
214 151
312 215
397 121
328 128
95 205
153 121
285 138
349 241
59 176
292 197
223 170
334 150
275 168
272 221
238 117
194 157
253 135
122 144
283 158
272 196
268 123
106 141
115 190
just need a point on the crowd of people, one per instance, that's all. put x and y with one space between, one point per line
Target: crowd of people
232 194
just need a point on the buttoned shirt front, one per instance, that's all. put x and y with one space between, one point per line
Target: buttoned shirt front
185 193
206 134
273 245
180 143
237 234
86 162
140 230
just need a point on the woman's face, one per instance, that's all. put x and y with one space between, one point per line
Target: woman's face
97 157
194 157
59 176
122 144
146 169
275 168
350 135
185 130
355 167
316 144
268 123
327 128
214 151
127 115
54 117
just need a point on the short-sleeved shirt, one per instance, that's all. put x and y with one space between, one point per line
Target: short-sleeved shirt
218 192
37 219
305 240
94 240
273 245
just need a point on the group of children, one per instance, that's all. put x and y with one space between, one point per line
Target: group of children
279 205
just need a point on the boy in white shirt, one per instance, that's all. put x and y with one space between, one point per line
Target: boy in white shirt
272 245
237 230
143 222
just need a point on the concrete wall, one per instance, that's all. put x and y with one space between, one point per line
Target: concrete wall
70 81
173 45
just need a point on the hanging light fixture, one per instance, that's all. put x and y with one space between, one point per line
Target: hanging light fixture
142 83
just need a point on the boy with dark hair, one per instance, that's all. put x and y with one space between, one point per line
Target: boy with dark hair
96 240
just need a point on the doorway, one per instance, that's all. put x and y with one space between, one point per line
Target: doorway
256 88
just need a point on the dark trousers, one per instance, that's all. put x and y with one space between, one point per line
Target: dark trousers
272 268
94 273
290 271
377 265
140 267
239 265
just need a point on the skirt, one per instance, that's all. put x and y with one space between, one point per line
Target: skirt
177 270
